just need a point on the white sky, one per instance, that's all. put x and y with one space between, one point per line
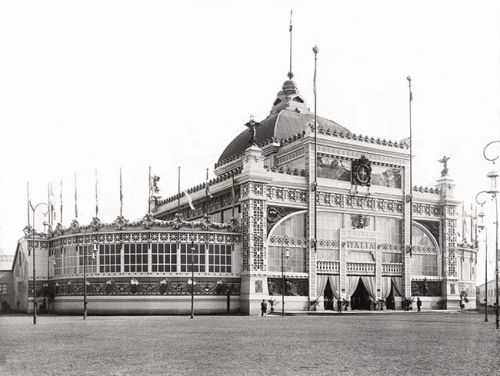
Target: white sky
108 84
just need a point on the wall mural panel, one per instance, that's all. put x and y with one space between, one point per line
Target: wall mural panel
426 288
336 168
293 287
386 176
135 286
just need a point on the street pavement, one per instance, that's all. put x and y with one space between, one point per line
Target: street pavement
402 343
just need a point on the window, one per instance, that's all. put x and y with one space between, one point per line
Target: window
136 258
110 258
3 288
91 265
58 261
164 257
219 258
390 229
424 265
196 258
70 260
293 227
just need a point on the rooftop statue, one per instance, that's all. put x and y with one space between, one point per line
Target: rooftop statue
444 161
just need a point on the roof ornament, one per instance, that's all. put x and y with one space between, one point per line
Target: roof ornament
252 128
444 161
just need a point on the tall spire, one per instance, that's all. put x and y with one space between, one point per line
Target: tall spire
290 72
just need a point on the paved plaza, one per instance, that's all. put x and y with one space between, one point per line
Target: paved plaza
392 344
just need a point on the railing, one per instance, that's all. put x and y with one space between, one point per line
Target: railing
392 269
328 267
361 268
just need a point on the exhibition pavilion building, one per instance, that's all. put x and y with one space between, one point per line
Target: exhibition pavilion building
314 213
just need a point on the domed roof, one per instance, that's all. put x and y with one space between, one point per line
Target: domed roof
280 125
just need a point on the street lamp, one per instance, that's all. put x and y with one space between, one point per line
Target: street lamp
94 250
33 249
283 275
481 226
192 279
493 191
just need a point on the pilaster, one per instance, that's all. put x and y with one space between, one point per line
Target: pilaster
310 167
407 218
254 229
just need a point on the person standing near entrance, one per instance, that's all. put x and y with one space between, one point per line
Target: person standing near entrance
339 306
419 304
263 308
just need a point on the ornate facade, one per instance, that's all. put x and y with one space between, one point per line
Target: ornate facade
361 233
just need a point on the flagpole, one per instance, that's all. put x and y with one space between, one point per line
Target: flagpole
150 195
96 196
179 189
411 168
121 194
61 204
76 201
28 201
207 194
49 211
291 34
315 50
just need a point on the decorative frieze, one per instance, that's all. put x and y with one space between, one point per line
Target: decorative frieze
359 202
428 210
142 237
286 194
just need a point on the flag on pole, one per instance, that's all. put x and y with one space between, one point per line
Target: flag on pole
291 14
207 188
53 216
189 200
233 194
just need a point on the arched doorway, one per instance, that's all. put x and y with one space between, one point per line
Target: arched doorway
360 300
328 297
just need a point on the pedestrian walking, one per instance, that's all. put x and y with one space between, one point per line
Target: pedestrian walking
339 306
263 308
419 304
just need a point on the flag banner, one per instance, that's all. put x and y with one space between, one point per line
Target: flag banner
52 204
207 188
189 200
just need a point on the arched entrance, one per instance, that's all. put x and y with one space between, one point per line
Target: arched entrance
360 300
328 297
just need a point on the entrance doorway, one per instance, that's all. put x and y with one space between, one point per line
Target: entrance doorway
360 300
328 296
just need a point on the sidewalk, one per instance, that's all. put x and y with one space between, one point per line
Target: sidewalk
367 313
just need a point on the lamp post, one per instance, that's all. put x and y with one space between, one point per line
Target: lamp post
94 250
493 191
482 227
283 276
192 279
33 208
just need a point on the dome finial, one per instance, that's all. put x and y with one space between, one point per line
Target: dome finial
290 74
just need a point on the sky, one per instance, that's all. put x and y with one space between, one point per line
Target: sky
100 85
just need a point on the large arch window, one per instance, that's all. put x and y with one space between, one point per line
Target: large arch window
425 253
291 234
